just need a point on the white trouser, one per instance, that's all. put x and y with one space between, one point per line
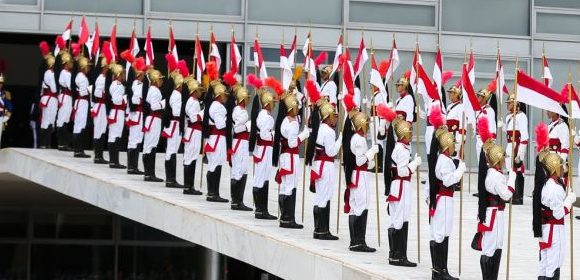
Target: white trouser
428 136
240 159
116 127
219 156
173 139
152 128
325 184
442 220
263 167
49 107
135 130
289 163
64 109
399 203
493 239
191 145
99 113
552 257
81 111
359 196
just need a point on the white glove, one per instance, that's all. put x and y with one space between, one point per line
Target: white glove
499 124
370 154
422 114
416 162
90 89
460 170
511 179
521 153
340 96
248 126
125 99
382 127
573 132
576 139
162 103
304 134
371 165
366 102
390 105
339 139
569 200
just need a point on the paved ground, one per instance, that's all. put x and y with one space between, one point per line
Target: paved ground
524 254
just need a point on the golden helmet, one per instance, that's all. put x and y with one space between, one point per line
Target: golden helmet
446 140
65 58
290 101
155 76
511 98
104 62
218 88
485 93
403 80
266 97
495 155
292 85
326 70
193 85
552 163
402 129
84 63
360 121
241 94
49 58
116 69
177 80
455 91
325 109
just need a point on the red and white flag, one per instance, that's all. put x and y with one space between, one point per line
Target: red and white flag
259 60
199 60
471 105
134 48
575 114
292 53
500 79
376 79
65 35
361 58
546 72
172 47
94 43
438 70
285 66
83 32
425 87
539 95
113 41
394 62
347 74
214 53
337 55
416 61
309 64
149 54
471 68
235 56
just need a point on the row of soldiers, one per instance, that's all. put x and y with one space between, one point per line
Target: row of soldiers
211 119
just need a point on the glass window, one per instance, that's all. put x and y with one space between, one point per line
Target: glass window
73 226
19 2
296 11
72 262
214 7
491 16
387 13
13 261
102 6
13 224
273 55
571 4
557 23
158 263
131 230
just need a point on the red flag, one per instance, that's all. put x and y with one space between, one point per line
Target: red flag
471 105
235 56
394 58
113 41
149 54
172 45
537 94
95 48
259 60
200 60
547 75
376 79
425 86
438 69
471 68
292 52
285 66
337 55
361 58
214 52
347 73
83 32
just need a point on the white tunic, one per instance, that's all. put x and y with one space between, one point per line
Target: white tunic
98 110
48 104
215 146
401 191
496 184
329 91
521 127
81 105
135 118
405 107
64 100
442 218
489 113
325 172
554 237
289 163
172 132
263 154
455 122
360 183
559 138
191 135
116 116
152 125
240 154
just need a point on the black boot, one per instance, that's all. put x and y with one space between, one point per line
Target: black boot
360 233
443 254
289 221
556 275
214 195
435 269
316 216
262 212
400 258
99 146
391 237
325 224
171 173
79 152
239 190
485 264
496 261
149 164
352 230
133 162
189 179
114 148
518 198
63 138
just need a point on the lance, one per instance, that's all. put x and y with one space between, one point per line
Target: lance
512 164
281 77
418 170
462 156
374 141
570 171
341 128
307 117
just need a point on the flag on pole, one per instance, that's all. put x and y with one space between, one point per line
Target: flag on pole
376 79
83 32
416 60
539 95
337 55
547 74
214 52
309 64
471 105
438 71
500 78
65 36
172 45
361 58
94 43
259 60
149 54
235 56
575 101
394 62
200 60
292 54
285 66
471 68
113 41
347 73
425 87
134 49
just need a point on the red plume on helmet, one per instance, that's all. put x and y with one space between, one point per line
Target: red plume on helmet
384 112
275 85
446 76
171 62
127 56
458 83
492 86
384 67
436 118
254 81
212 71
313 93
107 54
60 42
44 48
483 130
76 49
182 67
349 102
320 58
408 74
139 64
542 138
230 78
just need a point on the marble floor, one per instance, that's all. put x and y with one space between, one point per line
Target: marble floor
290 254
